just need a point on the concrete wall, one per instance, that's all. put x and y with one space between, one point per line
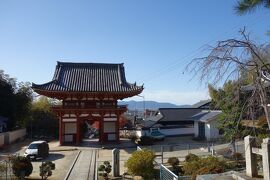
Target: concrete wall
16 135
11 136
2 139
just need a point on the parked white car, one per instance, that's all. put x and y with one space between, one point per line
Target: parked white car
37 149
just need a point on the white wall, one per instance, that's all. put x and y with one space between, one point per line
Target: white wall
168 132
207 131
70 128
138 133
15 135
212 131
109 127
12 136
177 131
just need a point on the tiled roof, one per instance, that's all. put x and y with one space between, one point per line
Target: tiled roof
178 114
88 77
201 103
206 115
175 116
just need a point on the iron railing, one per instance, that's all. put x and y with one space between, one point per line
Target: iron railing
166 174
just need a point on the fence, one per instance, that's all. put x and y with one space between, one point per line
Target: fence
181 150
201 149
166 174
6 170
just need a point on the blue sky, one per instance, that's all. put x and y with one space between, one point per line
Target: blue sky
154 38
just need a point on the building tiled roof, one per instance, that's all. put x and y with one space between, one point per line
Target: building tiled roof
173 116
201 103
206 115
88 77
178 114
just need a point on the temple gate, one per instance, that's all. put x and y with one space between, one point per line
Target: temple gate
89 93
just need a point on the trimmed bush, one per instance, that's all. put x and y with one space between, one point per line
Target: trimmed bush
141 164
105 169
21 166
45 170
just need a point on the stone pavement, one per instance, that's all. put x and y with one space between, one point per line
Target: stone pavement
85 166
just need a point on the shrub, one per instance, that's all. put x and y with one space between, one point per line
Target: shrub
207 170
237 156
141 163
45 170
261 137
21 166
191 157
174 162
105 169
190 167
206 165
3 168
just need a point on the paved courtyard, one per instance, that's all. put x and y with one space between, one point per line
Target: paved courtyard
64 156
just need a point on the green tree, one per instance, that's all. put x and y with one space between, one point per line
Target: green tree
15 101
43 121
231 101
23 100
245 6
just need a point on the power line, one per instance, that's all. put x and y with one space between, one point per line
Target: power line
173 65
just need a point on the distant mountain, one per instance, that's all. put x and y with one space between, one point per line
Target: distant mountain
139 105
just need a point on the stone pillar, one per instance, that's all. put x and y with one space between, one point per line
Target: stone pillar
251 161
115 162
266 158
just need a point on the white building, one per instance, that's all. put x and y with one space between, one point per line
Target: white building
198 121
206 125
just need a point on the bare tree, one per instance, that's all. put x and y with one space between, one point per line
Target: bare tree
234 59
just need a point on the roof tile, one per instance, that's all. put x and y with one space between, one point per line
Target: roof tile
88 77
